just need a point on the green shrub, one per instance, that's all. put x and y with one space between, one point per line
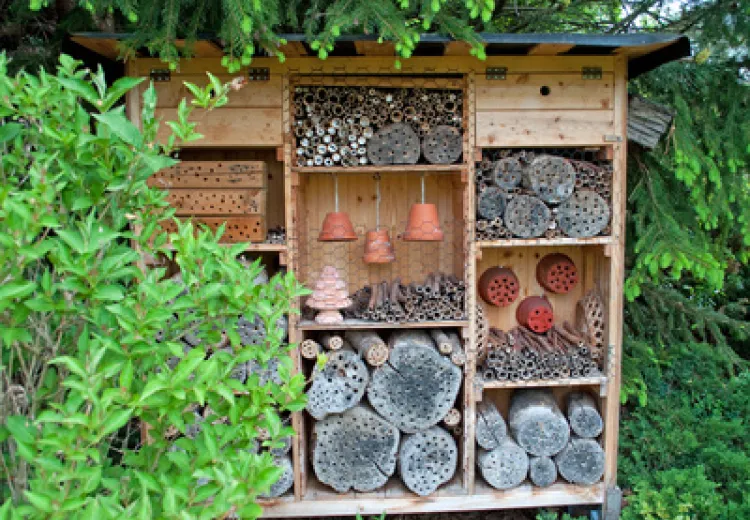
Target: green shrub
81 367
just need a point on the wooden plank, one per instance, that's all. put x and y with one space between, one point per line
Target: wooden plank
293 49
253 94
107 47
386 169
373 48
251 228
199 66
544 128
238 127
366 325
212 174
456 48
560 241
436 82
582 381
190 202
202 48
545 91
550 49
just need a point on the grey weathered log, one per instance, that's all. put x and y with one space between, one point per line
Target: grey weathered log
331 341
507 173
537 423
356 449
443 342
427 459
267 373
409 338
647 121
504 467
285 447
492 202
286 480
490 428
581 461
394 144
527 216
452 418
552 178
583 415
339 386
542 471
584 214
369 345
442 145
416 388
458 356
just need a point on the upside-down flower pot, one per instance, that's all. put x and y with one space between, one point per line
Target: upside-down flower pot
535 313
378 248
423 224
337 228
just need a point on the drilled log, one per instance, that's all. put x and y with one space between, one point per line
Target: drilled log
505 467
416 388
527 216
394 144
492 202
410 337
442 145
452 418
339 386
443 342
369 345
427 459
286 480
585 214
537 423
581 461
310 349
583 415
542 471
354 450
267 373
458 356
332 341
552 178
490 429
507 173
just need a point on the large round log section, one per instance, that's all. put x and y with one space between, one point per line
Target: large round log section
581 461
427 459
557 273
339 386
369 346
499 286
537 423
542 471
410 338
585 214
492 202
394 144
490 429
507 173
442 145
416 388
286 480
552 178
505 467
527 216
583 415
355 450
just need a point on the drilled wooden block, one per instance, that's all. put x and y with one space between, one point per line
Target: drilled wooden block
212 174
190 202
238 229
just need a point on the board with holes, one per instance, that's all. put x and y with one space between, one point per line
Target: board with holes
237 229
190 202
212 174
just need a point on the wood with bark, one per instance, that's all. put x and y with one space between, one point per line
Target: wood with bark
443 342
583 415
369 345
409 338
537 423
310 349
505 467
339 386
331 341
542 471
355 450
452 418
581 461
490 428
458 356
427 459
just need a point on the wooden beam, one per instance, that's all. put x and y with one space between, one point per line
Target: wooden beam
293 49
107 47
456 48
373 48
550 49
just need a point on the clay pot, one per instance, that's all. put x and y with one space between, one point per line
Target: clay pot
378 248
557 273
423 224
337 228
535 313
499 286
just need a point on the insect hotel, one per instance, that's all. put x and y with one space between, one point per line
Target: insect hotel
460 224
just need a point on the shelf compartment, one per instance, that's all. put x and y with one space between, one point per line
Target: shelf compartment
362 324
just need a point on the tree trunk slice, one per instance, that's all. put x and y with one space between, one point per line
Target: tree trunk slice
492 202
507 173
442 145
452 418
542 471
339 386
332 341
369 345
585 214
354 450
443 342
583 415
552 178
416 388
490 429
286 480
537 423
581 461
427 459
394 144
527 216
310 349
505 467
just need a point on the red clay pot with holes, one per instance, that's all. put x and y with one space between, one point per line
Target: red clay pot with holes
557 273
378 248
337 228
535 313
423 224
499 286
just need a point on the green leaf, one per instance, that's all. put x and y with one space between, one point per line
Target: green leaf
80 87
39 501
9 130
116 421
16 289
22 432
109 292
119 125
126 375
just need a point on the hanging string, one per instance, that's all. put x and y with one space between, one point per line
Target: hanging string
377 203
336 192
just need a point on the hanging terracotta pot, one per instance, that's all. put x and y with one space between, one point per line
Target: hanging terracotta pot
337 228
378 247
499 286
535 313
557 273
423 224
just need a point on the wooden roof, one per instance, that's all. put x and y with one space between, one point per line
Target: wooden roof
644 51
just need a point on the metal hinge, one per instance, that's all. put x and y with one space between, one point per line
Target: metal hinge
160 75
259 74
497 73
611 138
591 73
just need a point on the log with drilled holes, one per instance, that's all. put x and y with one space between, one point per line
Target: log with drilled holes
507 173
394 144
581 461
338 386
542 471
537 423
584 214
552 178
504 467
527 216
285 481
355 450
583 415
443 342
310 349
491 202
416 388
442 145
427 459
369 345
490 428
331 341
452 418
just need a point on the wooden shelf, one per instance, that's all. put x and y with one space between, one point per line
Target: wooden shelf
562 241
396 168
537 383
362 324
259 247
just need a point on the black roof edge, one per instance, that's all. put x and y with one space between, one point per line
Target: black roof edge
642 64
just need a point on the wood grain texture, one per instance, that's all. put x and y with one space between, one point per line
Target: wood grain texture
247 127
